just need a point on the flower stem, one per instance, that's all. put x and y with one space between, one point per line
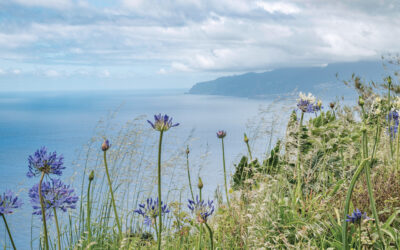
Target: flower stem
248 149
46 240
112 195
211 236
397 148
299 174
359 235
369 185
201 227
188 171
58 229
8 230
88 212
223 162
159 192
348 198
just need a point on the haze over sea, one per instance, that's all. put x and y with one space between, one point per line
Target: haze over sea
66 121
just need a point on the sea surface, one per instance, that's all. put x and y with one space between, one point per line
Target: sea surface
65 122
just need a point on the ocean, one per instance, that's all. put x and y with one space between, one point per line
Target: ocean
66 121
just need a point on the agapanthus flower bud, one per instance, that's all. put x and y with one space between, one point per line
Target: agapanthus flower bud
332 105
91 175
162 123
106 145
200 184
361 101
187 150
246 139
221 134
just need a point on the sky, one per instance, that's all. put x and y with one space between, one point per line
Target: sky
149 44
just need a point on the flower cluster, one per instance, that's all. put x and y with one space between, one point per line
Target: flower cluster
150 211
308 103
393 120
356 216
55 195
9 202
201 209
162 123
221 134
42 161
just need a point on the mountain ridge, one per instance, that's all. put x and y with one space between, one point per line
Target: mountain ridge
284 80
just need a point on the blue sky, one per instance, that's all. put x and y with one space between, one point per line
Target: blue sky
142 44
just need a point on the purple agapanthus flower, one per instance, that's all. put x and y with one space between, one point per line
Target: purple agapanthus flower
55 195
393 120
150 211
9 202
201 209
45 162
308 103
221 134
356 216
162 122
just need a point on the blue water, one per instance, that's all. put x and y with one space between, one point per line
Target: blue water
65 121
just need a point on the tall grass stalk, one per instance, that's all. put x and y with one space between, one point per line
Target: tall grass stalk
8 231
46 240
112 195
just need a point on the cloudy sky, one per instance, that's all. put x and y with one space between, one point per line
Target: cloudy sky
138 44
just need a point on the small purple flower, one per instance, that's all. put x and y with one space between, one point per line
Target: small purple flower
393 120
150 211
162 123
356 216
48 163
9 202
201 209
55 195
221 134
106 145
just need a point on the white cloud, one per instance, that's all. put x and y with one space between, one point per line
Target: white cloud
54 4
2 72
16 71
278 7
162 71
51 73
105 73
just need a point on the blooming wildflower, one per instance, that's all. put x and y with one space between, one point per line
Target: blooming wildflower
393 120
9 202
41 161
150 211
356 216
55 195
306 103
162 122
106 145
317 106
221 134
201 209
